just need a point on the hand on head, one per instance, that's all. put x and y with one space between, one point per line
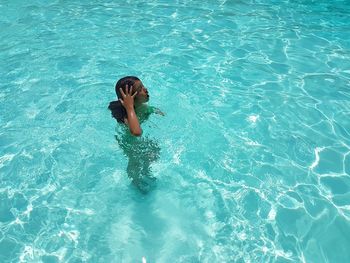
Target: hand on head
127 99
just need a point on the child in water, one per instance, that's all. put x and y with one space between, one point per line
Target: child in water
131 109
132 95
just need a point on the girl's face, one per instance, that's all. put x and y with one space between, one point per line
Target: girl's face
142 93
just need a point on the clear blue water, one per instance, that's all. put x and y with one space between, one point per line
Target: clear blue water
253 155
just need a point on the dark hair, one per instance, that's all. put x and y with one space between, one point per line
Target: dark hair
128 80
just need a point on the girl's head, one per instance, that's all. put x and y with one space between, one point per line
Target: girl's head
142 93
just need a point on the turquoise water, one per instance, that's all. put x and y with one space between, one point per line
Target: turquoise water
251 161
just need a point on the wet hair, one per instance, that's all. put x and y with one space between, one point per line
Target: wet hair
128 80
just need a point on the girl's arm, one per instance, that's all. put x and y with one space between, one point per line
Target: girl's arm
133 122
128 102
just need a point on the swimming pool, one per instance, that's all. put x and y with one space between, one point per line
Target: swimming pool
253 161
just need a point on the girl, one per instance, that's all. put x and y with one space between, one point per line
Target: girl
130 109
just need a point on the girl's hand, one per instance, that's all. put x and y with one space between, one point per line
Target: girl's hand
158 111
128 98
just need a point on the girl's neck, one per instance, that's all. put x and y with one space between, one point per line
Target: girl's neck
139 105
